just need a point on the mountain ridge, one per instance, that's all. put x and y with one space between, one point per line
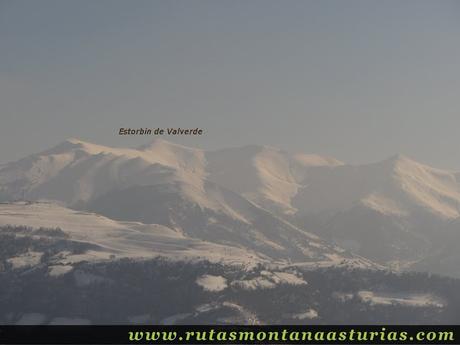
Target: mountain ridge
390 210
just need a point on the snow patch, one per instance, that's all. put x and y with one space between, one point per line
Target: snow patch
58 270
412 300
28 259
269 280
212 283
309 314
384 205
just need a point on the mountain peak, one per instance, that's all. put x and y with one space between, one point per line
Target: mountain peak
400 157
77 141
399 160
157 143
65 146
72 144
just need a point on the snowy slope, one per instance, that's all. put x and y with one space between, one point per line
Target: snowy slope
394 211
112 239
398 186
101 238
173 185
388 211
444 258
266 175
76 171
236 221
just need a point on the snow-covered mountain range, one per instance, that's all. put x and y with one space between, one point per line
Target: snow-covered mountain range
265 202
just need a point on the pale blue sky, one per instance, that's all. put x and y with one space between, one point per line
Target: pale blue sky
358 80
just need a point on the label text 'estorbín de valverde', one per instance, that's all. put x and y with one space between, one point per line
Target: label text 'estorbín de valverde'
161 131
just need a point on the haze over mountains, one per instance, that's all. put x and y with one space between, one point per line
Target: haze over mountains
172 234
274 204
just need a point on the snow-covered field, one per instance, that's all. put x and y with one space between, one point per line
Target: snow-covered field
113 239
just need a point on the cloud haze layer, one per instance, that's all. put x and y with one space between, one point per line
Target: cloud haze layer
357 80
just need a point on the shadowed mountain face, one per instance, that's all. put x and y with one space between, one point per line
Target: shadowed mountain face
252 227
395 212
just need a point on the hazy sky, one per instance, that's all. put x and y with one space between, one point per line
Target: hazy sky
358 80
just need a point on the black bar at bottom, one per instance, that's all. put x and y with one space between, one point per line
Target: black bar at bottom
305 334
